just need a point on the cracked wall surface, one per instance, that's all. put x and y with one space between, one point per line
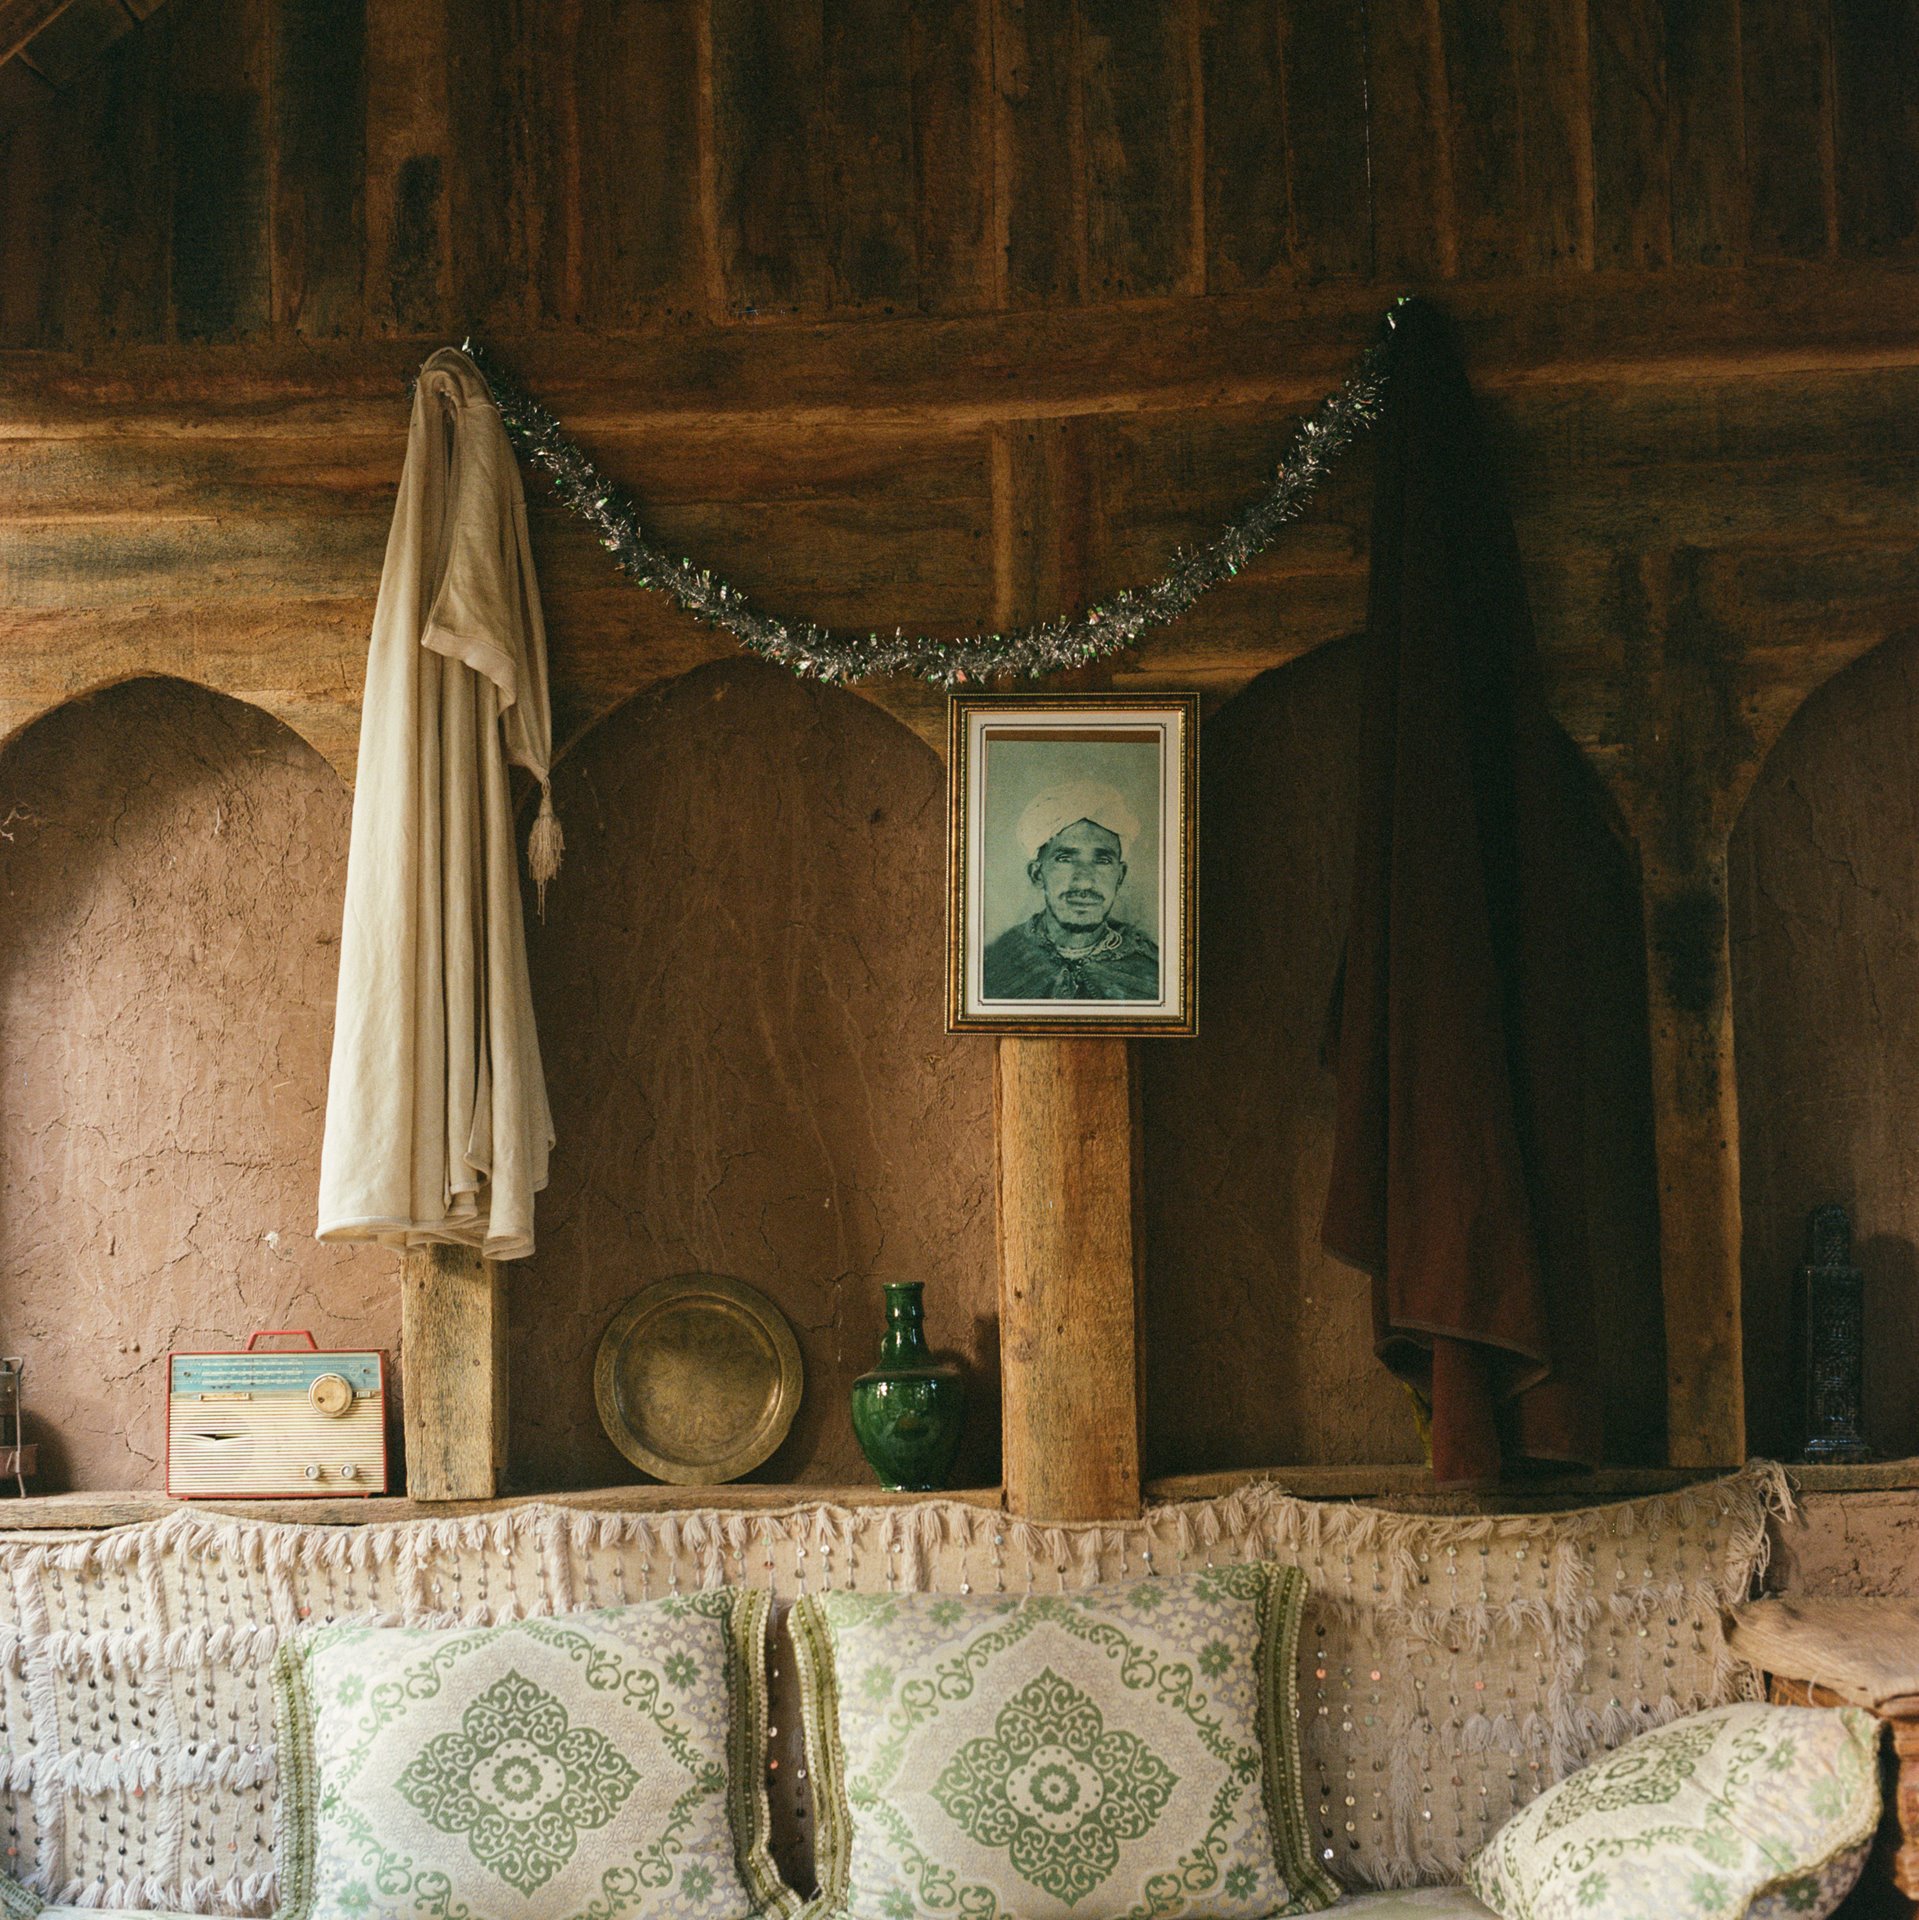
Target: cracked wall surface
1240 1298
1848 1543
171 864
740 990
1825 950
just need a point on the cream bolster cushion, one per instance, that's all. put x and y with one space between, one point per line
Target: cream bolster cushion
1741 1813
1116 1751
605 1765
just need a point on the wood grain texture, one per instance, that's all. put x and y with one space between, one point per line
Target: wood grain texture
1551 50
1875 48
1696 1133
1632 168
66 1511
20 20
1479 59
453 1347
1140 108
1865 1650
220 204
869 191
77 35
409 168
1039 155
1065 1129
1705 101
1247 213
953 146
105 199
1328 159
639 198
1787 55
319 167
1406 1488
1415 232
768 134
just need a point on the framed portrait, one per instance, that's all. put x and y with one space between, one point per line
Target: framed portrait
1070 863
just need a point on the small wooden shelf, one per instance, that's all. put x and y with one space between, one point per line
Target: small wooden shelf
85 1511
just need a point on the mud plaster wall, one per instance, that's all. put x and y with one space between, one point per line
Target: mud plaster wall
1849 1543
1258 1346
1825 928
170 870
740 989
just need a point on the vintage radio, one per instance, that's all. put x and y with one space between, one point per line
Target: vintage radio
277 1424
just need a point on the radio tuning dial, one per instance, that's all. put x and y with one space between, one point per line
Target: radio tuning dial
331 1394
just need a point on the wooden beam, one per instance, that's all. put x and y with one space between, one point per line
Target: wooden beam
91 1510
1696 1142
1069 1264
71 42
453 1373
1397 1482
1172 353
20 20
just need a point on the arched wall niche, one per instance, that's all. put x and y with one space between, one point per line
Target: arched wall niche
171 863
1824 907
740 990
1258 1345
328 722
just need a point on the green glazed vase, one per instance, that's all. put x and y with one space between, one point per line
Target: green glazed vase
908 1412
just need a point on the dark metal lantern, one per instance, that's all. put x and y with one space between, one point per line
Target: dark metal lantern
1835 1297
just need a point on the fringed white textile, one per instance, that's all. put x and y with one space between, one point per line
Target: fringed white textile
437 1125
1450 1668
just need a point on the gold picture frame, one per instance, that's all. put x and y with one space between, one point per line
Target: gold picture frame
1103 927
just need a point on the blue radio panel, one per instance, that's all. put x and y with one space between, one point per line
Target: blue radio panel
271 1372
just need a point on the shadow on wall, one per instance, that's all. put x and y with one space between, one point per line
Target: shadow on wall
1825 951
170 864
740 992
1259 1346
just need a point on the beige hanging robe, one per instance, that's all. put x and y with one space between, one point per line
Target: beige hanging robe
437 1125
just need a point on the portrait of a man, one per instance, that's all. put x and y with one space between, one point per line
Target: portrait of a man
1071 874
1075 836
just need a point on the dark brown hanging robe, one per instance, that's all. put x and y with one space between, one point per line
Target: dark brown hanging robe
1457 1178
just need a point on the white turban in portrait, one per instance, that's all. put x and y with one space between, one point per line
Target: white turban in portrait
1072 800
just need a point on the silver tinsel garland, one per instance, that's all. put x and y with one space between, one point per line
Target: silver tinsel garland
816 653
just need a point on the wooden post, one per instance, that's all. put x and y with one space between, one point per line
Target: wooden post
453 1352
1696 1139
1069 1273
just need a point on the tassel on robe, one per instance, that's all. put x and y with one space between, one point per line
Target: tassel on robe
437 1124
1458 1172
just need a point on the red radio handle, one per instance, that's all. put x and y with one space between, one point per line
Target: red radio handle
283 1333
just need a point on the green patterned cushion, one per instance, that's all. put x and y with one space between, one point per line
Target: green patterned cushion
1120 1751
1744 1811
597 1766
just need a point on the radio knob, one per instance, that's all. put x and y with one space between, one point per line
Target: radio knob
349 1471
331 1393
313 1473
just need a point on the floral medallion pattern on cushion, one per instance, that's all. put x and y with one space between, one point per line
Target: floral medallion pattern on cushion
1055 1788
1743 1813
517 1783
596 1766
1110 1754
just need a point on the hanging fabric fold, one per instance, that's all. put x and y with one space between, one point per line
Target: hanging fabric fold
1458 1178
437 1124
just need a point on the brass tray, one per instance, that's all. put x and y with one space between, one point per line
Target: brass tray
697 1379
